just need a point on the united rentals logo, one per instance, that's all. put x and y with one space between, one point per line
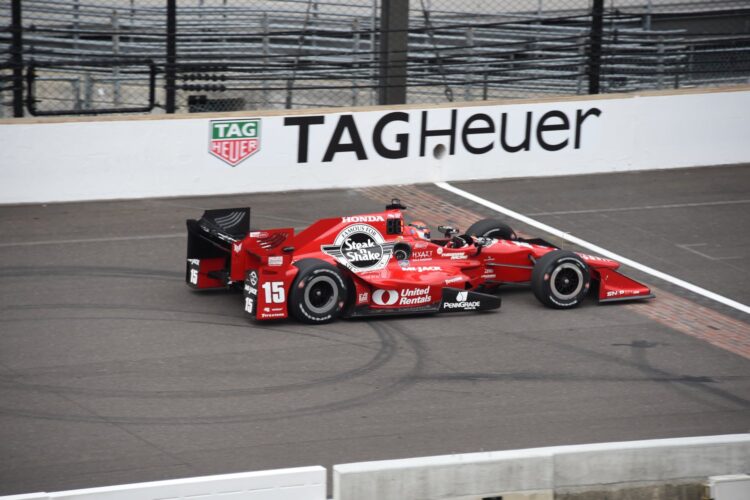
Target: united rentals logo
234 140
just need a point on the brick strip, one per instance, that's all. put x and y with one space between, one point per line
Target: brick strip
675 312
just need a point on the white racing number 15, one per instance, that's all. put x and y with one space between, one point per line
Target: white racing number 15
194 276
274 291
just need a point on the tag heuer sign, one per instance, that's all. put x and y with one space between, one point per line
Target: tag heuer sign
234 140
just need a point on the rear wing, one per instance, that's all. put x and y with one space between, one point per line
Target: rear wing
209 246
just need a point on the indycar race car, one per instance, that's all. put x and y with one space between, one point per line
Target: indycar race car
377 264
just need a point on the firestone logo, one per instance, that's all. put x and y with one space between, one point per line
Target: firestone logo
233 141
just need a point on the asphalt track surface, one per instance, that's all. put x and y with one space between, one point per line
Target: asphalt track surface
113 371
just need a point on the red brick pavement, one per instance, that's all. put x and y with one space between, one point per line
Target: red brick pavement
675 312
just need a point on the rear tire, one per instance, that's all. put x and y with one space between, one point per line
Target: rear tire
492 228
319 292
560 280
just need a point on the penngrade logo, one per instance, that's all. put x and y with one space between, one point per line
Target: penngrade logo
233 141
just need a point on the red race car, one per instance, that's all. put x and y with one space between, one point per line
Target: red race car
377 264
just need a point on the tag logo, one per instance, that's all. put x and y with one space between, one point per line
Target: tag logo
233 141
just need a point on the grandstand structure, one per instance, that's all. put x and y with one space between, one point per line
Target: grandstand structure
109 56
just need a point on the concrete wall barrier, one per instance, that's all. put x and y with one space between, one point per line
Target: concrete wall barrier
86 159
304 483
540 472
729 487
635 469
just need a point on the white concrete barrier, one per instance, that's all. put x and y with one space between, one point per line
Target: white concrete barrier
304 483
729 487
88 159
449 476
561 469
27 496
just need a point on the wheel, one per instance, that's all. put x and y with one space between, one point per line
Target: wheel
560 279
492 228
319 292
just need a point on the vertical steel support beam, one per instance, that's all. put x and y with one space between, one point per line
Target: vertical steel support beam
16 57
116 84
170 70
394 40
595 45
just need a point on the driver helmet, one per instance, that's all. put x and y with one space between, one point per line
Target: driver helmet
419 229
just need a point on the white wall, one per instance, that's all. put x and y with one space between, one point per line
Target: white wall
303 483
133 158
557 469
536 473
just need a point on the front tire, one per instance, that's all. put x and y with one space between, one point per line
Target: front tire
492 228
318 293
560 280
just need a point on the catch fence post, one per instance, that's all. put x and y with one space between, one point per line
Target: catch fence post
394 41
170 70
595 45
16 57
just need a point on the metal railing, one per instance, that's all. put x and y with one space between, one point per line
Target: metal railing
84 56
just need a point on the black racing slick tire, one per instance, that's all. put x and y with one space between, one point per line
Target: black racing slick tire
492 228
560 280
319 292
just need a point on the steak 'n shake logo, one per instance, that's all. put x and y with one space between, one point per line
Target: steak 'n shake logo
234 140
359 248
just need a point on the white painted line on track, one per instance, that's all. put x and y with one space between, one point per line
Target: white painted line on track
595 248
92 240
647 207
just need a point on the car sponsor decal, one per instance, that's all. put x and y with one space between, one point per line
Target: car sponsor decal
423 269
385 297
462 303
265 315
363 218
360 248
521 244
405 297
422 255
252 277
233 141
595 258
275 260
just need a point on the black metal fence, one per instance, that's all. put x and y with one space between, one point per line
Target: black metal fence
69 57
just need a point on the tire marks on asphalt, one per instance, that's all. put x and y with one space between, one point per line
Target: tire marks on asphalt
395 350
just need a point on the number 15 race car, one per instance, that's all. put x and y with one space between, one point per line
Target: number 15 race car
377 264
